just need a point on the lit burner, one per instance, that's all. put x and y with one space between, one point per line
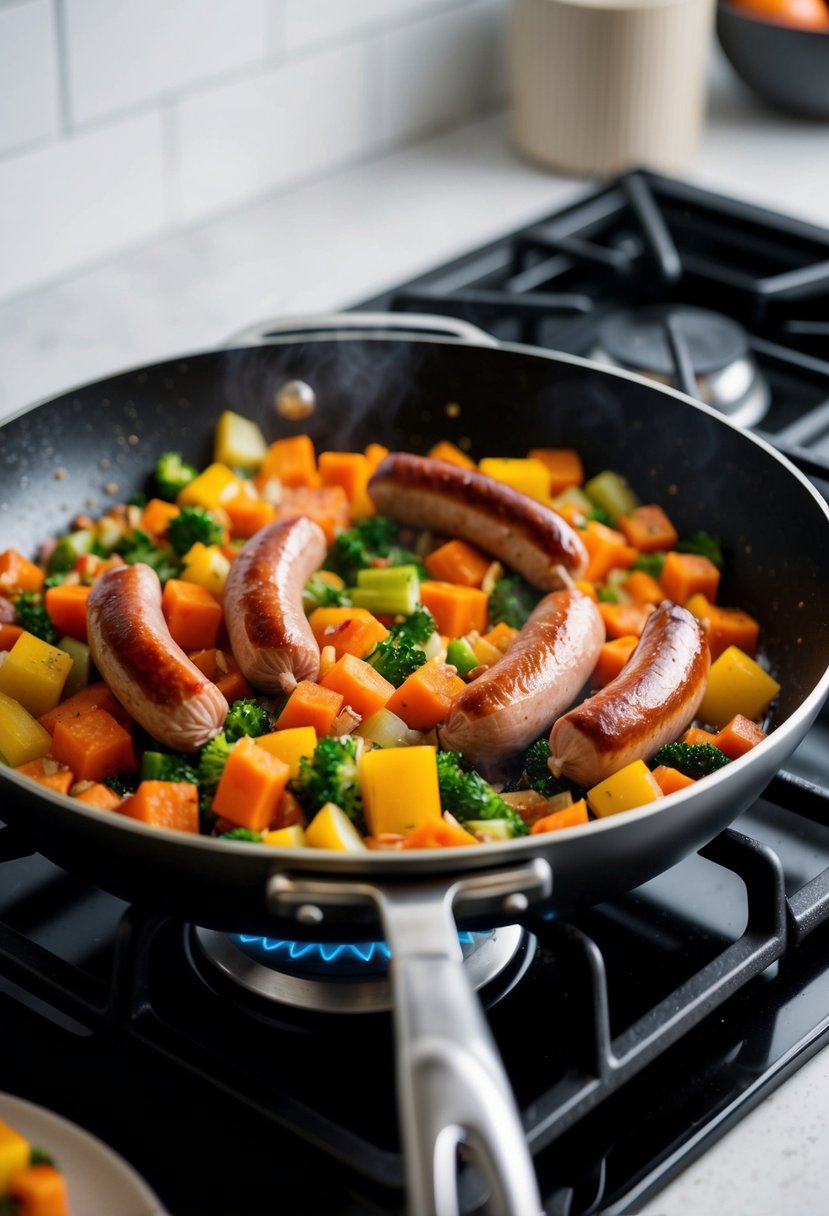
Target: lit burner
349 977
704 354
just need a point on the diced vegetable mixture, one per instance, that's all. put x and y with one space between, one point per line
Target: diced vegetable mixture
404 621
31 1184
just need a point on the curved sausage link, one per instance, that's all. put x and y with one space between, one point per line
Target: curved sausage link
651 702
514 702
521 532
147 671
269 633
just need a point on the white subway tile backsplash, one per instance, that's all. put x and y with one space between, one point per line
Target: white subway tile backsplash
436 72
124 53
28 75
79 199
241 140
310 21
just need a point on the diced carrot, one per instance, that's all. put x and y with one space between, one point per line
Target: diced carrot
207 661
501 636
458 562
363 688
90 566
310 705
233 686
326 505
436 834
93 745
94 696
349 630
66 605
165 804
99 795
607 549
643 588
292 460
350 470
374 453
424 697
622 620
587 588
612 658
686 574
18 574
39 1190
648 529
156 516
567 817
670 780
696 735
193 615
564 464
456 609
725 627
451 454
251 786
572 513
737 737
9 635
248 514
49 772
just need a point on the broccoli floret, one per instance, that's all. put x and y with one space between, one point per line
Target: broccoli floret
368 542
194 524
245 717
465 793
137 546
650 563
512 600
242 834
396 660
602 517
172 474
212 760
39 1156
608 595
167 766
318 593
330 775
539 777
693 759
32 615
705 545
417 628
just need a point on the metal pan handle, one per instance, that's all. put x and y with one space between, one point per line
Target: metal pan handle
452 1090
378 324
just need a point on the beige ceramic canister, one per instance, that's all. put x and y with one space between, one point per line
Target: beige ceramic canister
597 86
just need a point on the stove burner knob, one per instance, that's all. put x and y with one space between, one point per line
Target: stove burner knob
295 400
309 914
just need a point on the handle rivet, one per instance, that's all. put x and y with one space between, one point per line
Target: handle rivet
295 400
309 914
515 903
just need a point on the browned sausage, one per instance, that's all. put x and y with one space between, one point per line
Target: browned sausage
522 533
148 672
651 701
514 702
269 633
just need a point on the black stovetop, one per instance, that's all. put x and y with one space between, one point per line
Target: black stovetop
633 1034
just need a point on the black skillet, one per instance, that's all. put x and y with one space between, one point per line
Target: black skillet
407 389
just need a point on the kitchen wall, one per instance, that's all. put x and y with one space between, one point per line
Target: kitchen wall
123 120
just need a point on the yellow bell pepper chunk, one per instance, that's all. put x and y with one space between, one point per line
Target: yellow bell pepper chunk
209 489
634 785
290 745
530 477
22 738
207 566
15 1152
736 685
400 788
238 441
332 829
34 674
286 838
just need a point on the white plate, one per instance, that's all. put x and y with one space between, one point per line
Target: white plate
99 1182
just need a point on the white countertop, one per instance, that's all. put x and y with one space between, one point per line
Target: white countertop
338 240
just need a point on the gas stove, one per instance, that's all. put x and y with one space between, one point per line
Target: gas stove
244 1076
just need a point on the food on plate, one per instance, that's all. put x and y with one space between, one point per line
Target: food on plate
374 650
30 1182
802 14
